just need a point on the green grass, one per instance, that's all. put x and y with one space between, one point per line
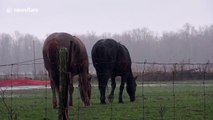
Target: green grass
187 102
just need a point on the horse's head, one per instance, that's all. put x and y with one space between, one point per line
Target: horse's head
131 88
85 91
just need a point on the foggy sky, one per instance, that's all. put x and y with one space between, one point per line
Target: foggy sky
41 17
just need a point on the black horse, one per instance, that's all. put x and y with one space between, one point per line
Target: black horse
112 59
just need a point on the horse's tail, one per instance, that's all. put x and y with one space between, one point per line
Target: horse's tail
71 54
53 54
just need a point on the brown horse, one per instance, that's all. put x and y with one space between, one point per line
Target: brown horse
77 65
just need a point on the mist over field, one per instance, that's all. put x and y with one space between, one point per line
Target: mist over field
187 44
155 31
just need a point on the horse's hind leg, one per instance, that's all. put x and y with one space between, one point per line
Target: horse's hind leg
102 83
54 99
55 91
71 89
53 88
113 84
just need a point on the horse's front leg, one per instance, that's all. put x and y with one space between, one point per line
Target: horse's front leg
123 79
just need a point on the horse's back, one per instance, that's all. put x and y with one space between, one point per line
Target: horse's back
104 54
109 55
55 42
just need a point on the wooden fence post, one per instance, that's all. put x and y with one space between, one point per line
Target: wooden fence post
63 113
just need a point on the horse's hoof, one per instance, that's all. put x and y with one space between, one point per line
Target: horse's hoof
55 107
103 102
87 104
54 104
121 101
70 104
110 98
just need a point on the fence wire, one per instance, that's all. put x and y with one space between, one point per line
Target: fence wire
160 94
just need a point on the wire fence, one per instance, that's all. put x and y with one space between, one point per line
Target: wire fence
164 91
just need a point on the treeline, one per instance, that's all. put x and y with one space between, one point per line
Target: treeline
189 44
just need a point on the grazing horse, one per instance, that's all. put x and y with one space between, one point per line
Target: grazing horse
112 59
77 65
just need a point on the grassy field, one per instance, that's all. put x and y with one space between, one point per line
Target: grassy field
154 102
